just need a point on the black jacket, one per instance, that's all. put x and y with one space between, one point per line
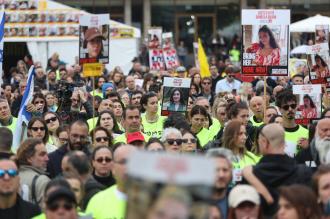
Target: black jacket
280 170
309 156
55 160
21 210
91 188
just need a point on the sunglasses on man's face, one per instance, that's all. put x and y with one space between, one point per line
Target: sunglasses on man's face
286 107
171 141
103 159
55 206
11 173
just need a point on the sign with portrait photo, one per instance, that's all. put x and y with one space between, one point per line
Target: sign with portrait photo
175 95
94 38
167 40
169 186
156 60
318 61
321 34
155 38
265 49
170 58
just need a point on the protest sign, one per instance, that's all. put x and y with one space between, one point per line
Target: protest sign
298 66
318 61
156 59
94 38
170 58
174 186
175 95
265 42
167 41
321 34
92 69
155 38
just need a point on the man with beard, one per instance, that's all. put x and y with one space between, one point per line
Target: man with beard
222 158
257 107
11 204
78 140
295 134
319 147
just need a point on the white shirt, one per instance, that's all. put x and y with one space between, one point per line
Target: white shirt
224 86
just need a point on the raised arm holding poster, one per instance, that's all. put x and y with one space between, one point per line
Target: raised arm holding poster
265 42
94 39
318 61
321 34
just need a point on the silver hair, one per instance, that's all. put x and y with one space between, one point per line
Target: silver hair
168 131
222 153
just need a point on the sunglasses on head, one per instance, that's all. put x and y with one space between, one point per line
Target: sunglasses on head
53 119
190 140
102 159
55 206
177 141
99 139
11 173
286 107
38 128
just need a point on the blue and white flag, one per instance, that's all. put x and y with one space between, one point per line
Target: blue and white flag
24 116
2 34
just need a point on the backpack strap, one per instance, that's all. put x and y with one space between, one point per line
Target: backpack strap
33 189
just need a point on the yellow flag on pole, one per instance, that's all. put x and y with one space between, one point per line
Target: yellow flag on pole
202 59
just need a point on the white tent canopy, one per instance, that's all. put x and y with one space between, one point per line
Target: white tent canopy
308 24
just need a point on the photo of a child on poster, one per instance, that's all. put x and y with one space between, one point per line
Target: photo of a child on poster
265 42
175 95
309 105
169 186
318 61
321 34
94 39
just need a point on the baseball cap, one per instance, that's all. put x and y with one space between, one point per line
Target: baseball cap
134 136
242 193
181 69
92 33
61 193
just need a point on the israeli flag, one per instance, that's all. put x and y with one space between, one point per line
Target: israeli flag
24 116
2 34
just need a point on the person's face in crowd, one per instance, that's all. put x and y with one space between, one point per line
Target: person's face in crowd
243 116
117 109
136 98
169 208
197 78
286 210
52 122
51 76
282 81
223 173
117 77
152 105
190 104
38 130
173 143
270 112
63 137
54 63
9 185
61 209
221 115
264 38
189 143
241 138
94 47
78 136
323 129
7 91
279 120
214 71
132 120
297 80
39 103
50 99
176 96
288 110
100 82
198 121
155 147
105 104
206 85
246 210
214 213
40 157
204 103
106 121
101 138
40 73
125 99
256 106
193 89
130 82
120 158
230 77
4 111
75 185
102 162
137 66
324 188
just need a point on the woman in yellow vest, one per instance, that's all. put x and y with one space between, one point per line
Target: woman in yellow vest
199 115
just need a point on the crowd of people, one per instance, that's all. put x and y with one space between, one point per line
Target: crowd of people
72 158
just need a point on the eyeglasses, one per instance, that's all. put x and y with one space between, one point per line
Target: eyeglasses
55 206
190 140
171 141
11 173
53 119
38 128
286 107
99 139
102 159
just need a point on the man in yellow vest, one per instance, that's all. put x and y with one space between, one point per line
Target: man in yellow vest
111 203
6 119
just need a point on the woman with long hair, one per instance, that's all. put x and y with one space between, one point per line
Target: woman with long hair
118 109
101 137
320 68
190 142
53 123
107 120
38 105
176 102
309 110
117 77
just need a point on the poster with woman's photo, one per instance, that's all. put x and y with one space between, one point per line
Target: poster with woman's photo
321 34
309 105
265 49
175 95
170 186
318 61
94 38
168 42
155 38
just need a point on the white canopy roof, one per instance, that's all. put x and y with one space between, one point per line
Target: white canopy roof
308 24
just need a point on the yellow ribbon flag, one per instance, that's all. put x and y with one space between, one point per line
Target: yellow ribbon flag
202 59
